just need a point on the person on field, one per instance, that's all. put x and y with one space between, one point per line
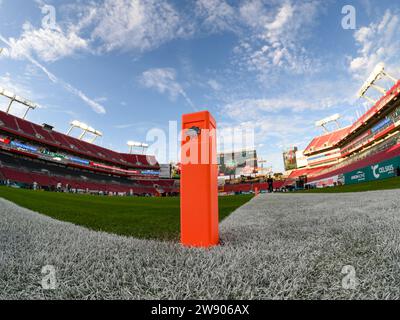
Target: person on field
270 183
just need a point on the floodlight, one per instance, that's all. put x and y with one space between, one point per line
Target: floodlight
327 120
334 118
135 144
377 74
86 128
13 97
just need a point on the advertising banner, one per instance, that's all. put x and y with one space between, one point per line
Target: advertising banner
378 171
289 159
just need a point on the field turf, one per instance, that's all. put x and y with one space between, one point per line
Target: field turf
140 217
386 184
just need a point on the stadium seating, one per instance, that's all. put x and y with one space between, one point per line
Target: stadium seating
248 187
37 133
48 175
8 121
390 153
326 141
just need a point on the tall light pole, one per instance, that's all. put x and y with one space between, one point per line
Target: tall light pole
86 129
377 74
134 144
13 97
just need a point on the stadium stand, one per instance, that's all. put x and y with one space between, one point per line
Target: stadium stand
250 187
372 138
31 153
326 141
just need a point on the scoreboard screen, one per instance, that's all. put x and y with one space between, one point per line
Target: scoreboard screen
240 163
289 159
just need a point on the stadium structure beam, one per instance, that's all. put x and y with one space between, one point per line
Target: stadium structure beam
378 88
377 74
389 76
134 144
14 98
322 123
373 101
86 129
9 106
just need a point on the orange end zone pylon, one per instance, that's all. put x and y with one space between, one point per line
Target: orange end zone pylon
199 181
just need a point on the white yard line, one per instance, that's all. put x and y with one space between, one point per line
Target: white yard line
275 246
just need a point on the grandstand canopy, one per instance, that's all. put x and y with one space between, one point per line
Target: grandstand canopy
326 141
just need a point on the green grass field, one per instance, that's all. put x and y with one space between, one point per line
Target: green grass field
387 184
148 218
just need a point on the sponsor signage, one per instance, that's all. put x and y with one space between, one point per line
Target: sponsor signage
150 172
52 154
378 171
381 125
5 140
23 146
80 161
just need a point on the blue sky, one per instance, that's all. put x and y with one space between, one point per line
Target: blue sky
126 66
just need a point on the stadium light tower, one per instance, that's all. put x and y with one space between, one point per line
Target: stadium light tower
322 123
377 74
86 129
14 98
134 144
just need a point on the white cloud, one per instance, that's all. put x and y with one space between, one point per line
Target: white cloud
277 37
6 82
98 108
377 42
253 13
276 27
217 15
16 87
214 84
164 81
136 24
251 109
126 25
47 44
275 132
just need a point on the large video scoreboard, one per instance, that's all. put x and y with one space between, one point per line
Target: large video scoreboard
242 163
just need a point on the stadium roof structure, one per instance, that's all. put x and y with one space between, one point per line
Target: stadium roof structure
322 123
135 144
326 141
86 128
380 106
377 74
340 137
36 133
15 98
